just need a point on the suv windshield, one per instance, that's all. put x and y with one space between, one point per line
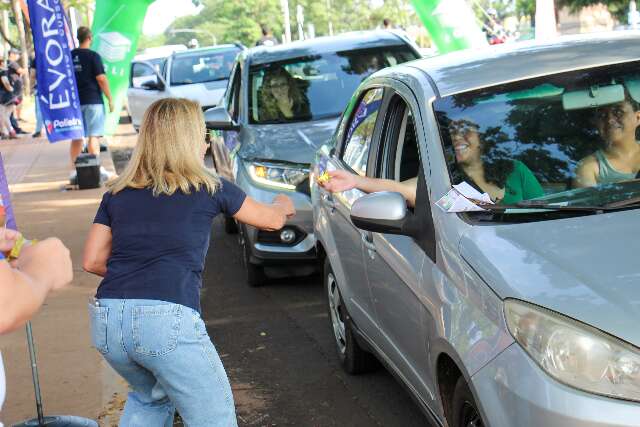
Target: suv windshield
202 66
316 86
560 142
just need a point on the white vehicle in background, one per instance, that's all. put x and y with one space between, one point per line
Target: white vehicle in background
197 74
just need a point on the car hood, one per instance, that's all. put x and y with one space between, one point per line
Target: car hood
206 94
585 267
291 142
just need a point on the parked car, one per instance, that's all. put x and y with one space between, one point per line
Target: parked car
523 311
198 74
282 103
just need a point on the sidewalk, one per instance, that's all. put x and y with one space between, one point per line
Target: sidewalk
74 379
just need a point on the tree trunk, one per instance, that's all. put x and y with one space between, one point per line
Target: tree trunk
24 56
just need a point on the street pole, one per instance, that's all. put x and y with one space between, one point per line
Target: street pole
545 20
24 55
5 29
287 21
329 17
300 21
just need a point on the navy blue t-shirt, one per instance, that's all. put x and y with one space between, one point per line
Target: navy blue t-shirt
159 243
87 65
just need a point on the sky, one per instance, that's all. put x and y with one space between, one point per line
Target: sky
161 13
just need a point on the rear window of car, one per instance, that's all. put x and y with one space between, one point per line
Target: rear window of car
202 67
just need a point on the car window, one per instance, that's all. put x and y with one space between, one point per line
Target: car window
360 131
233 102
202 66
566 139
315 86
142 73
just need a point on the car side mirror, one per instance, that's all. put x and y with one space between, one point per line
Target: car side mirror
383 212
152 85
218 118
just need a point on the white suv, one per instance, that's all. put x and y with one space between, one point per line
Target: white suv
197 74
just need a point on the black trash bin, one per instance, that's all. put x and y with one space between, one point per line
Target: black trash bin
88 171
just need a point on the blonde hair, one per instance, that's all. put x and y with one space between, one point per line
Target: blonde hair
167 155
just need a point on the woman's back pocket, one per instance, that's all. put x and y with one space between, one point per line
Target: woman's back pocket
155 328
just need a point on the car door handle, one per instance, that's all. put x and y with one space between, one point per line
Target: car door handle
368 243
327 199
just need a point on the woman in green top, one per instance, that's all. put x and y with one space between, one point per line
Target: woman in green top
506 181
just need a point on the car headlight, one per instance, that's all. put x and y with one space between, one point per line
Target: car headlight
277 174
574 353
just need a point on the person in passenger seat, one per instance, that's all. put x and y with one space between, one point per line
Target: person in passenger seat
619 160
506 181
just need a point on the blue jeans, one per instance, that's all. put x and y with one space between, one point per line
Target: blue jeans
164 353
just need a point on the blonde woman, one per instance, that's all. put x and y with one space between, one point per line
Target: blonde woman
149 241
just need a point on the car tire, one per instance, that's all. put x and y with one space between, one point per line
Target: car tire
254 274
354 359
230 225
464 409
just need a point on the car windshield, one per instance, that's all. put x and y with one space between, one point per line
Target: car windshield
202 66
560 142
315 86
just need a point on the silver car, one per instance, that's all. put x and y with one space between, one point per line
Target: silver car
513 298
281 105
201 75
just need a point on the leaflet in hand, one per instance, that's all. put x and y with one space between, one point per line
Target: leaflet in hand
459 199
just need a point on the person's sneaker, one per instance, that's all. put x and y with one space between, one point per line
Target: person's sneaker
21 131
73 177
105 175
37 134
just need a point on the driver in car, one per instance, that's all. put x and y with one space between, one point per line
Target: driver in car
619 160
506 181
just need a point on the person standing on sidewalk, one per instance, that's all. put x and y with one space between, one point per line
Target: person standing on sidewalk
149 241
39 269
92 83
7 103
15 72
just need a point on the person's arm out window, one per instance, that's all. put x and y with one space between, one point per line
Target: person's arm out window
341 180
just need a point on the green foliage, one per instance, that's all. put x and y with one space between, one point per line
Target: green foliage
618 8
233 21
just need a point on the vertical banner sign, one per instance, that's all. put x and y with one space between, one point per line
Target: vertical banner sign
116 27
450 23
7 219
57 92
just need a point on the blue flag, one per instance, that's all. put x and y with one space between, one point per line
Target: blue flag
57 90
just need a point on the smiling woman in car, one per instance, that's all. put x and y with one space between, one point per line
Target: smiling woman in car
619 160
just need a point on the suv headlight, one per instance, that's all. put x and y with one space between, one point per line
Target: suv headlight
574 353
279 175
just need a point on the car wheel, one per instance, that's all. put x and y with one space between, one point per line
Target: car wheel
230 225
354 359
465 412
254 273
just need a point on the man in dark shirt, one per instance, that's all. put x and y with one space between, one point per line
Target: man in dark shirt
92 83
267 38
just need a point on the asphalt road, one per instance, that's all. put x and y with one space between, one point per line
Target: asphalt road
278 350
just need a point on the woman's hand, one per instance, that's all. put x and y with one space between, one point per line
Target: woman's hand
8 239
266 216
285 203
340 180
48 262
